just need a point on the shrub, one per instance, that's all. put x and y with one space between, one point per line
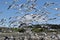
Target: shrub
37 30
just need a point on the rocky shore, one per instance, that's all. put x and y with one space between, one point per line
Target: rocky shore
30 36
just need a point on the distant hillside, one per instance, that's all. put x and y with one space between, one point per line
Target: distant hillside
52 26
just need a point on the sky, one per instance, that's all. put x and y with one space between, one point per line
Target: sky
5 13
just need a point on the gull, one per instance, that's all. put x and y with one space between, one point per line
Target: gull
1 23
28 1
32 8
2 20
52 19
33 0
56 9
32 5
11 5
12 21
28 10
46 4
34 16
22 5
10 18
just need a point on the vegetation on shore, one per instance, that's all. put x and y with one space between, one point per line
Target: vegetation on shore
34 28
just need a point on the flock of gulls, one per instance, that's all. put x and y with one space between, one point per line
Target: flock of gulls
31 15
